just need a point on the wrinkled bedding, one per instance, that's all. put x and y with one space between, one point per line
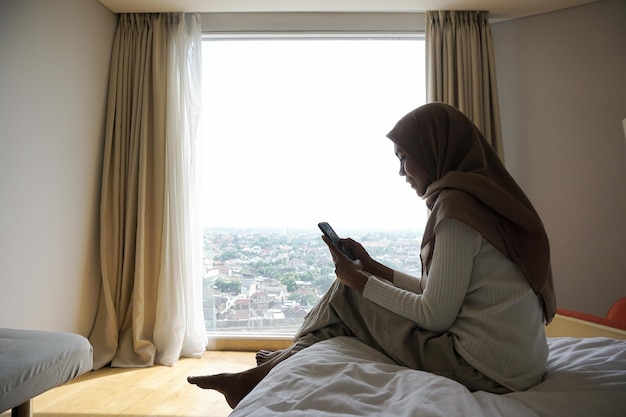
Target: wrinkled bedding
344 377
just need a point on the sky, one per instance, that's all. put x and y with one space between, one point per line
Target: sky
293 133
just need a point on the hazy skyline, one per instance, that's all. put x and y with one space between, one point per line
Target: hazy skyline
294 133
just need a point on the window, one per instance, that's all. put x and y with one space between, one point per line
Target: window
293 133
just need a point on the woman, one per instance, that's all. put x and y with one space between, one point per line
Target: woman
476 315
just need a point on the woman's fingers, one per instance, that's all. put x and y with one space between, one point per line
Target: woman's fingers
334 250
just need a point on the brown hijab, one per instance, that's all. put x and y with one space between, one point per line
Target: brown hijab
468 182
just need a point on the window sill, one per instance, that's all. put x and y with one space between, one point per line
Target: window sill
251 343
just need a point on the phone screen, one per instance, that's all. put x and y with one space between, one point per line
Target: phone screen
330 233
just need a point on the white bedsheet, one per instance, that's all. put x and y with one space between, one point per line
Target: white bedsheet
344 377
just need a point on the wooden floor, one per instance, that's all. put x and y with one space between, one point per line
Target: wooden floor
157 391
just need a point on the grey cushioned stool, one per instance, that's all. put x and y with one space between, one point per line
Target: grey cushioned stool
32 362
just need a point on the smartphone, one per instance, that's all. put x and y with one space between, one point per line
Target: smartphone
330 234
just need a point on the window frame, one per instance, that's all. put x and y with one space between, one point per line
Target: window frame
328 26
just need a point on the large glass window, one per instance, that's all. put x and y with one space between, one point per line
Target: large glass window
294 134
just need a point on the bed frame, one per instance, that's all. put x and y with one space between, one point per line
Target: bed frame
565 326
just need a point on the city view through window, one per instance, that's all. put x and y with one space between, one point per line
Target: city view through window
293 133
259 281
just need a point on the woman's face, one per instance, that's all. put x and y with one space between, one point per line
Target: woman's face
415 174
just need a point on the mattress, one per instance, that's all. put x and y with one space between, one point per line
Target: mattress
342 376
32 362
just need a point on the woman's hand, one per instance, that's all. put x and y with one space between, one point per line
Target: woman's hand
349 272
369 265
358 251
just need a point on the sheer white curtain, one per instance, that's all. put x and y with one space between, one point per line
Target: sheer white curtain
179 329
150 308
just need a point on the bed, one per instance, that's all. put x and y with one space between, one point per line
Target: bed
32 362
586 376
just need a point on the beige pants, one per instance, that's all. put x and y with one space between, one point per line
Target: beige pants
344 312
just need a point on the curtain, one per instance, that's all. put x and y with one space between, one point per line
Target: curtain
150 308
461 69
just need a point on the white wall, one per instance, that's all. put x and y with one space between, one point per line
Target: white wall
54 60
562 87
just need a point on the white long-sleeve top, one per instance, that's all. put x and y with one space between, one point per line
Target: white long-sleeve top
477 294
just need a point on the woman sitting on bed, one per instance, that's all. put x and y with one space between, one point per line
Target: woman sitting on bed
477 313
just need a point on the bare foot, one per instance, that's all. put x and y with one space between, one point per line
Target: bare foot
263 356
232 386
235 387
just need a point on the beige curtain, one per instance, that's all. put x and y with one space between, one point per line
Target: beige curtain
461 69
150 304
